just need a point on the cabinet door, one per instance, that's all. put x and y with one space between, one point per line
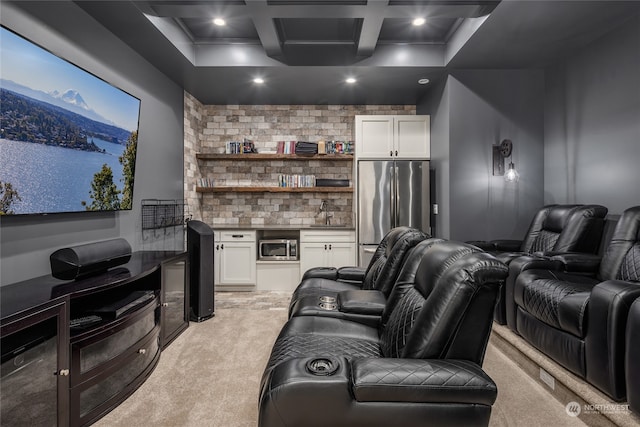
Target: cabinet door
238 263
216 258
411 136
313 255
175 307
35 368
341 255
374 137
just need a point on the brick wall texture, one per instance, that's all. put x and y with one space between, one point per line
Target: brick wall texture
208 128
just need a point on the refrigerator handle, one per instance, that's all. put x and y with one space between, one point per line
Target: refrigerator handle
397 197
392 195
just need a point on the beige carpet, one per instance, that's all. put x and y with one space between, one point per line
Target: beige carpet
209 376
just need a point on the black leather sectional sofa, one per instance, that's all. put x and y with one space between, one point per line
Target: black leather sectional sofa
575 307
419 364
402 341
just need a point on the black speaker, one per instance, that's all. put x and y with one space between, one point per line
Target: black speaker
92 258
200 248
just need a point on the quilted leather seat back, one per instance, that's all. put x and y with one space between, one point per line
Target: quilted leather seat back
622 258
565 228
381 250
449 310
407 277
383 275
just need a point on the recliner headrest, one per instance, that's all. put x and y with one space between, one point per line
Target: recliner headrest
621 250
557 217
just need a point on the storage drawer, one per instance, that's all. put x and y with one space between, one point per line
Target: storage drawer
327 236
91 399
93 353
237 236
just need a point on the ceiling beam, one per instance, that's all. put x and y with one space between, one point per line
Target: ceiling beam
371 25
266 28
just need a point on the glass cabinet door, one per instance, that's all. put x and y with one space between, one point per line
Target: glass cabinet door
175 314
34 373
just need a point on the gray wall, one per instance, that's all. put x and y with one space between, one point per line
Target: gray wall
474 110
592 123
27 241
436 104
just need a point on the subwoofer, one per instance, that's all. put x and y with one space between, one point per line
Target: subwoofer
200 248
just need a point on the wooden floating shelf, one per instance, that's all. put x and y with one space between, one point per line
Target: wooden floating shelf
263 156
243 189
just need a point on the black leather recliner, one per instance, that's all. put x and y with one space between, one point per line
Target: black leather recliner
364 306
555 228
420 366
380 275
632 359
576 309
352 274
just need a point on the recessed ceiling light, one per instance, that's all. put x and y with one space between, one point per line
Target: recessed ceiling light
219 22
350 80
258 80
418 21
423 81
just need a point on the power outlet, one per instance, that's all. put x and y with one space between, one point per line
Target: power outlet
548 379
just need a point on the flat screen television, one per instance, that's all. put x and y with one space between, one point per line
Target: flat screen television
68 139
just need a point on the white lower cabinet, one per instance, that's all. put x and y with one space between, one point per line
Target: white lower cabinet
326 248
278 275
235 260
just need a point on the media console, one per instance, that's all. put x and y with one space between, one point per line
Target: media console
74 350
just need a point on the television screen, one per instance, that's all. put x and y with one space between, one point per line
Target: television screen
68 139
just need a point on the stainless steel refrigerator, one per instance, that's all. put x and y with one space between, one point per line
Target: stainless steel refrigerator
391 193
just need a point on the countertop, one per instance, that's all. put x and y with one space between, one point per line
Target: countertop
282 227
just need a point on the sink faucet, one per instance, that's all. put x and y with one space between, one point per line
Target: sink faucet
324 207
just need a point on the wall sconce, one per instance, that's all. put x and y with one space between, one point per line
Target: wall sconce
501 152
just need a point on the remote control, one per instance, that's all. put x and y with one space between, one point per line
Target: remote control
83 322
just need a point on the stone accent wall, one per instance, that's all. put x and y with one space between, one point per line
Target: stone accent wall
209 127
192 130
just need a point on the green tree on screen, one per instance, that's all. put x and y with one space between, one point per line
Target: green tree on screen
104 193
7 196
128 162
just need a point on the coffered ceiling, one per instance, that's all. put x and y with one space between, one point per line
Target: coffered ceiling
305 49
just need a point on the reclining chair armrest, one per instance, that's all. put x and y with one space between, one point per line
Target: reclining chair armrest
329 273
578 262
608 311
354 275
506 245
420 380
517 266
370 302
485 246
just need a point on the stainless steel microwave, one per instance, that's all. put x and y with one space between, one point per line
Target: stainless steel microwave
278 250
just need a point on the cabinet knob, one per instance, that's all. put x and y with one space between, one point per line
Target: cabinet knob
396 153
329 247
142 351
222 246
217 247
63 372
391 153
165 304
325 247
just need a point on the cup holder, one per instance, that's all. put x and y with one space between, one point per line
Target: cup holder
327 299
323 366
327 306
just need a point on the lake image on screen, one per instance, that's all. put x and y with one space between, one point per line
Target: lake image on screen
68 140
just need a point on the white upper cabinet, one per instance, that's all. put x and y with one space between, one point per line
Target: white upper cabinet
384 137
